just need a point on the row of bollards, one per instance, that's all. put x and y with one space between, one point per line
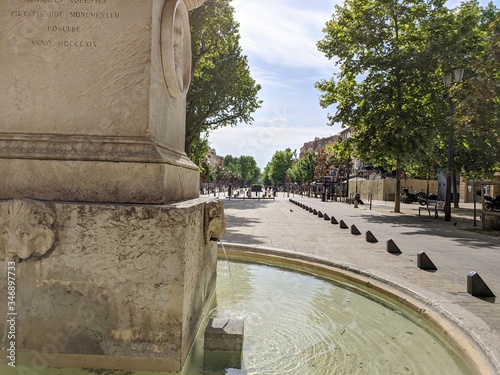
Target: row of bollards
475 284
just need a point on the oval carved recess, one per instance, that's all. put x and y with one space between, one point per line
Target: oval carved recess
176 47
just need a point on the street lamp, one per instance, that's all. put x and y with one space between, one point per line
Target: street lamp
356 170
459 72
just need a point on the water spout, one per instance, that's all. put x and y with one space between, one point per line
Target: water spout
228 268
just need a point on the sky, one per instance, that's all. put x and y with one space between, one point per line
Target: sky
279 38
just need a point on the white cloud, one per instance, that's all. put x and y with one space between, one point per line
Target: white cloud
279 33
261 142
279 37
273 131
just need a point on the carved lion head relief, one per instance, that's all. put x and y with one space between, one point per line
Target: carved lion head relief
215 220
26 228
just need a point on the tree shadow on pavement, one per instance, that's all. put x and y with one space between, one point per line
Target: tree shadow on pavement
434 227
233 223
246 204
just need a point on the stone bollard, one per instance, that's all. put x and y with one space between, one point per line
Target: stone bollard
477 287
424 262
355 230
392 248
370 237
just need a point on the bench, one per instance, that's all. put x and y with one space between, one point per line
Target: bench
433 206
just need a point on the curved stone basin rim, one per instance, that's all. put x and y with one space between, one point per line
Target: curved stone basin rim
466 343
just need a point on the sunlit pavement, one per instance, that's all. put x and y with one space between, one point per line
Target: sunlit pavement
455 252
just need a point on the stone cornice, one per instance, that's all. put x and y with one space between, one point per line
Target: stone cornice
89 148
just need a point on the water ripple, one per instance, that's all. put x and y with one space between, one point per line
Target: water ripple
300 324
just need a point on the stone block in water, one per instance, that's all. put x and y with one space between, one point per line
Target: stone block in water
223 344
224 334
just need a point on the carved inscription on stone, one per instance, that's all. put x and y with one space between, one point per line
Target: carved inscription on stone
59 23
74 66
26 229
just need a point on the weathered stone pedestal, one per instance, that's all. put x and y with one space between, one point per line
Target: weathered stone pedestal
93 101
124 286
113 251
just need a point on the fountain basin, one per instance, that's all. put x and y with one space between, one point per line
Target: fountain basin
466 348
311 316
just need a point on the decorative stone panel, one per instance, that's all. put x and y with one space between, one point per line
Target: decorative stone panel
26 229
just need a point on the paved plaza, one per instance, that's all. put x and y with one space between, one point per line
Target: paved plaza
280 224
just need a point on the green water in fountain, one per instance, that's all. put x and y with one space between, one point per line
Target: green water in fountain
299 324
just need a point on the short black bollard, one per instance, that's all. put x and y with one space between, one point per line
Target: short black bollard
392 247
370 237
424 262
477 287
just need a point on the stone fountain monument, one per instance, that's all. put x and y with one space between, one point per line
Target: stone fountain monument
107 253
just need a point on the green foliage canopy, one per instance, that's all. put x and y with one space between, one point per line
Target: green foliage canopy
222 92
276 170
386 87
243 169
302 170
477 110
391 56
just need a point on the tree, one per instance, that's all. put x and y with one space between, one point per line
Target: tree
198 156
323 162
477 113
386 89
279 165
302 170
243 169
248 169
341 162
266 178
222 92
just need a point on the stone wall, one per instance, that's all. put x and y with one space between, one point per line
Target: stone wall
385 189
